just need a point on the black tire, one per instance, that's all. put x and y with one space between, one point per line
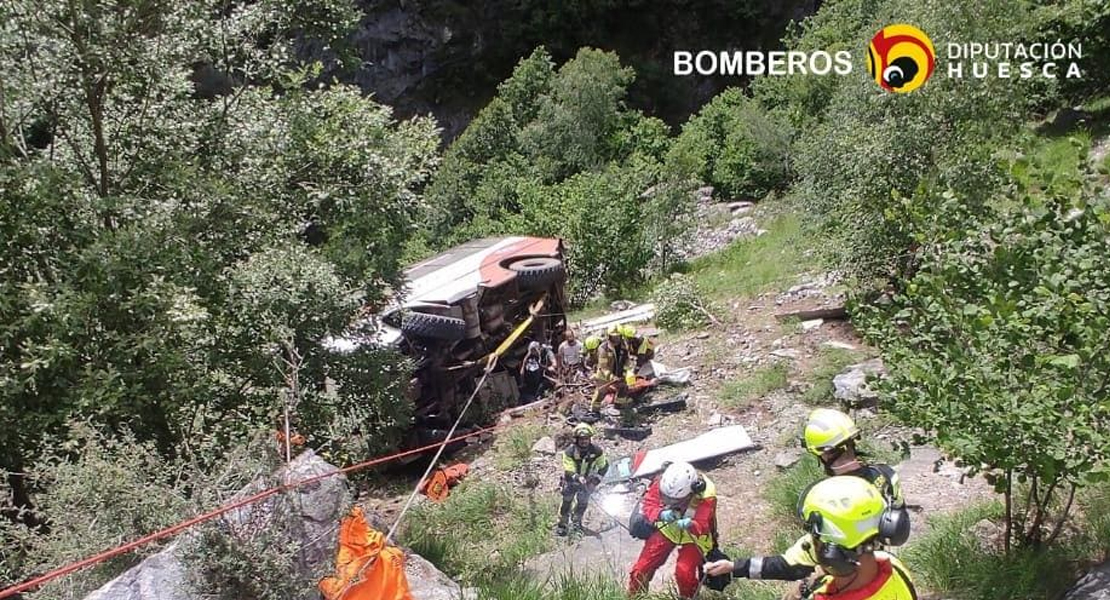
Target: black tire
538 273
433 326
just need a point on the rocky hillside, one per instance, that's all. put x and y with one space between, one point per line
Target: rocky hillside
446 57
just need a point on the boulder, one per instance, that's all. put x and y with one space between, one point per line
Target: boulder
787 458
1095 585
850 386
427 582
545 445
318 509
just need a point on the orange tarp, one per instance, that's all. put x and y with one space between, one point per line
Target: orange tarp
436 486
362 549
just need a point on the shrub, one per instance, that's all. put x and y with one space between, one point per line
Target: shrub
96 490
679 303
997 348
735 145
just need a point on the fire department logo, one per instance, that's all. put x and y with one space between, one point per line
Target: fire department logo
900 58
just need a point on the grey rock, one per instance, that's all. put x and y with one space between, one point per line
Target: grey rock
812 324
851 387
159 577
991 535
740 207
314 523
786 353
621 305
839 345
427 582
1095 585
715 419
544 445
787 458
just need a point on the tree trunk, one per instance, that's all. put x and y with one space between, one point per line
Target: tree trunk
1009 509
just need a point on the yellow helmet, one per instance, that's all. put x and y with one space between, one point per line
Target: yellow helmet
843 510
583 430
613 330
593 342
827 429
628 331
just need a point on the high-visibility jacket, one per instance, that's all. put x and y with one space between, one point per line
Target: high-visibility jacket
893 582
701 510
612 363
798 562
585 462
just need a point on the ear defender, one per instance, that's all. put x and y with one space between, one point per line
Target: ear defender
698 486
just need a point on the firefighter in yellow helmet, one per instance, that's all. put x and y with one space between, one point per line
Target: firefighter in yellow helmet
613 372
589 352
641 351
584 464
842 516
831 436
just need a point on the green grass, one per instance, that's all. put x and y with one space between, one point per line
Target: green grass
783 489
514 447
949 560
460 534
740 393
830 362
753 265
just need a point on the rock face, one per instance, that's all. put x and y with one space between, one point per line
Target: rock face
427 582
851 386
319 508
544 445
1093 586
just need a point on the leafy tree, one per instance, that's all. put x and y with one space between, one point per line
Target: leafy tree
578 116
735 145
162 238
998 345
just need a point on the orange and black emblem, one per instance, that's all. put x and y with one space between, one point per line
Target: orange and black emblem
900 58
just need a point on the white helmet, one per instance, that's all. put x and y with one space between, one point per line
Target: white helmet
678 482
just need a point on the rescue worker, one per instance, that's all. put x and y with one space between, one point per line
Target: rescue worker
831 436
641 350
682 505
612 374
584 464
842 516
589 351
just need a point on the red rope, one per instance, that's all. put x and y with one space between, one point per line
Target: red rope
170 531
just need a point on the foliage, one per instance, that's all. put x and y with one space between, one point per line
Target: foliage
997 347
513 448
734 144
679 304
98 489
784 488
577 118
184 219
871 150
515 523
740 393
557 154
949 559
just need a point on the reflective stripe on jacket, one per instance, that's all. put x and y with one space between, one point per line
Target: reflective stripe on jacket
584 461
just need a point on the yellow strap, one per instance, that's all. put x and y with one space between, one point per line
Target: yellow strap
509 341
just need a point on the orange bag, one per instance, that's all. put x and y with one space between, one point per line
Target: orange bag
438 484
363 549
